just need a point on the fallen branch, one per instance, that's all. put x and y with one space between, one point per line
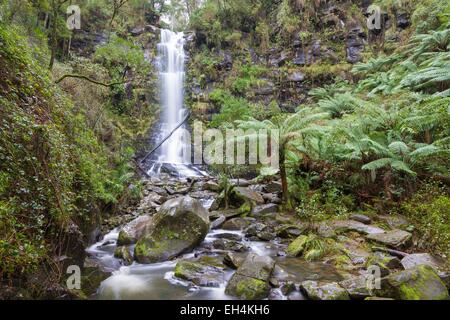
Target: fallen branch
166 138
395 253
79 76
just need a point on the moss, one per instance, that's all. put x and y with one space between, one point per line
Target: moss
252 289
297 246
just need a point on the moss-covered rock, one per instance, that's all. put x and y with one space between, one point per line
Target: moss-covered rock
324 291
124 254
297 246
205 272
180 225
419 283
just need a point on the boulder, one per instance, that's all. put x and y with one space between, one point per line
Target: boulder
265 209
180 225
324 291
236 224
357 287
396 239
417 259
271 198
131 232
274 187
240 182
297 246
350 225
124 254
234 259
229 245
246 195
211 186
251 280
217 223
418 283
204 272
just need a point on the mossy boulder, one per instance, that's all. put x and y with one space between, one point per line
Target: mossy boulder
180 225
205 271
419 283
124 254
297 246
251 280
324 291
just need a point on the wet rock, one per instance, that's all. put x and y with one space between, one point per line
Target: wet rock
271 198
236 224
289 232
274 187
251 280
413 260
131 232
231 213
297 246
287 288
357 287
204 272
211 186
418 283
124 254
137 31
445 277
324 291
396 239
361 218
229 245
217 223
156 198
234 259
350 225
385 262
248 195
265 209
229 236
254 229
180 225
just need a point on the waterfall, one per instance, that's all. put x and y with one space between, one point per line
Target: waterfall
174 154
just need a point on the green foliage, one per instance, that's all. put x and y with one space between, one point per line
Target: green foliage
428 210
231 108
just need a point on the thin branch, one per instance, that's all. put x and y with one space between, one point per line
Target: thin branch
78 76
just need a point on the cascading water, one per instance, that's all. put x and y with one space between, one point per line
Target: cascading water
174 153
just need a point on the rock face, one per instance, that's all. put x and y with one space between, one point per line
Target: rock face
324 291
396 238
419 283
251 280
180 225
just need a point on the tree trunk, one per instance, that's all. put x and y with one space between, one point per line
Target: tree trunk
284 183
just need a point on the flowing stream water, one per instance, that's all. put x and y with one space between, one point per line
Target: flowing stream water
157 281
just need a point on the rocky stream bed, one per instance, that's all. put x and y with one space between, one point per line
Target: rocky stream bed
180 243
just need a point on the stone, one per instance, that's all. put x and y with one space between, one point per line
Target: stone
274 187
290 231
394 221
137 31
265 209
211 186
418 283
247 195
251 280
180 225
234 259
229 236
133 230
228 214
324 291
361 218
296 77
297 246
203 272
357 287
236 224
386 262
350 225
396 239
216 224
229 245
413 260
240 182
124 254
271 198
